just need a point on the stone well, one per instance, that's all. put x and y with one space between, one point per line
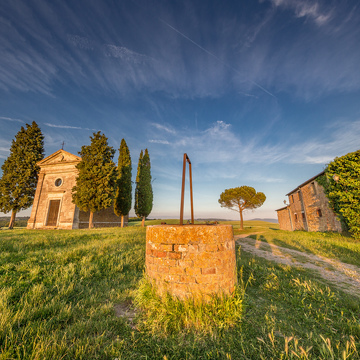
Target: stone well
191 260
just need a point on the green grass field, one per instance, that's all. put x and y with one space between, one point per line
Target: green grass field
331 245
58 290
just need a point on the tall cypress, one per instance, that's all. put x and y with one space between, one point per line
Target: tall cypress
95 183
143 190
122 204
20 171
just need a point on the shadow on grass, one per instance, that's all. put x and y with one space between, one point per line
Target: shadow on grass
281 244
326 244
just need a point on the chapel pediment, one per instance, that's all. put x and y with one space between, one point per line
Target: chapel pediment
59 157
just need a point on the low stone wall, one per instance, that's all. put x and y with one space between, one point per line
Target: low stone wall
191 260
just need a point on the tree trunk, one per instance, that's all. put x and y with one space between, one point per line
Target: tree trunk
12 220
241 220
122 220
91 224
143 221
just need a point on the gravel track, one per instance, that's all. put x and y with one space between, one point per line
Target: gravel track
344 276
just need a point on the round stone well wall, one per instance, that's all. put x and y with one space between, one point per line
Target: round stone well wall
191 260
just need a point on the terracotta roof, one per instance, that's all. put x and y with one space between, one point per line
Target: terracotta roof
284 207
306 182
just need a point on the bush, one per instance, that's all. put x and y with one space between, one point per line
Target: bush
342 187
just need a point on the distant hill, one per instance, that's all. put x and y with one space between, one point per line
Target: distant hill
268 220
213 219
17 218
20 221
257 219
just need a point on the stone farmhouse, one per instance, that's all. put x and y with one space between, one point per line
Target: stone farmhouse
308 209
53 207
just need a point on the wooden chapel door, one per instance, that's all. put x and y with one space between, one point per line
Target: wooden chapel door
53 212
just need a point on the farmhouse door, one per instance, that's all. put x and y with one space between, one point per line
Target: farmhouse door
53 212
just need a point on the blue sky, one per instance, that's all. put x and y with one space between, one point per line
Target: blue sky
259 93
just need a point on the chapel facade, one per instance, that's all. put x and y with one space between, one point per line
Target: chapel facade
308 209
53 207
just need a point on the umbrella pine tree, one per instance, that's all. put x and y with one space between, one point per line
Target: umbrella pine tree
241 199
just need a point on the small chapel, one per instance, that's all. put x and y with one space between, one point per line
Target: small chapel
53 207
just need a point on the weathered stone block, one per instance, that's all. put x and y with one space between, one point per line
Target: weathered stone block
199 260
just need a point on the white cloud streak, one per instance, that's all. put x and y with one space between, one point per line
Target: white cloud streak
164 142
165 128
63 126
11 119
67 127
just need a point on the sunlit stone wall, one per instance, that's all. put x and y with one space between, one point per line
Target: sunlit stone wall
191 260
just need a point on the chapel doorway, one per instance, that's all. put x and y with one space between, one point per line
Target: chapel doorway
54 207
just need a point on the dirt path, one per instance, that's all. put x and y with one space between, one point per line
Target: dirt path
344 276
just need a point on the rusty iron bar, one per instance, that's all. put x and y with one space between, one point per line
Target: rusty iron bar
186 159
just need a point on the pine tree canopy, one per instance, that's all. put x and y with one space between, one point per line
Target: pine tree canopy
240 199
122 204
20 170
95 183
243 197
143 190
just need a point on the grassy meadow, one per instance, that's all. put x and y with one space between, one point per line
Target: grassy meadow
331 245
59 291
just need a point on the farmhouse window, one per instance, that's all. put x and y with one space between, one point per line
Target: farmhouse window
319 213
296 217
303 215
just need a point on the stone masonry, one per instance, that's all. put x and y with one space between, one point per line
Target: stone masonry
191 260
53 207
308 209
284 218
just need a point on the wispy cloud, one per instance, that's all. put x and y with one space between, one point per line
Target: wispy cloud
220 144
164 142
273 180
338 139
165 128
4 147
67 127
63 126
309 63
179 58
248 95
124 54
80 42
11 119
305 8
108 50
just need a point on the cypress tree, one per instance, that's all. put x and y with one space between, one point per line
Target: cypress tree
20 172
122 204
95 183
143 190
